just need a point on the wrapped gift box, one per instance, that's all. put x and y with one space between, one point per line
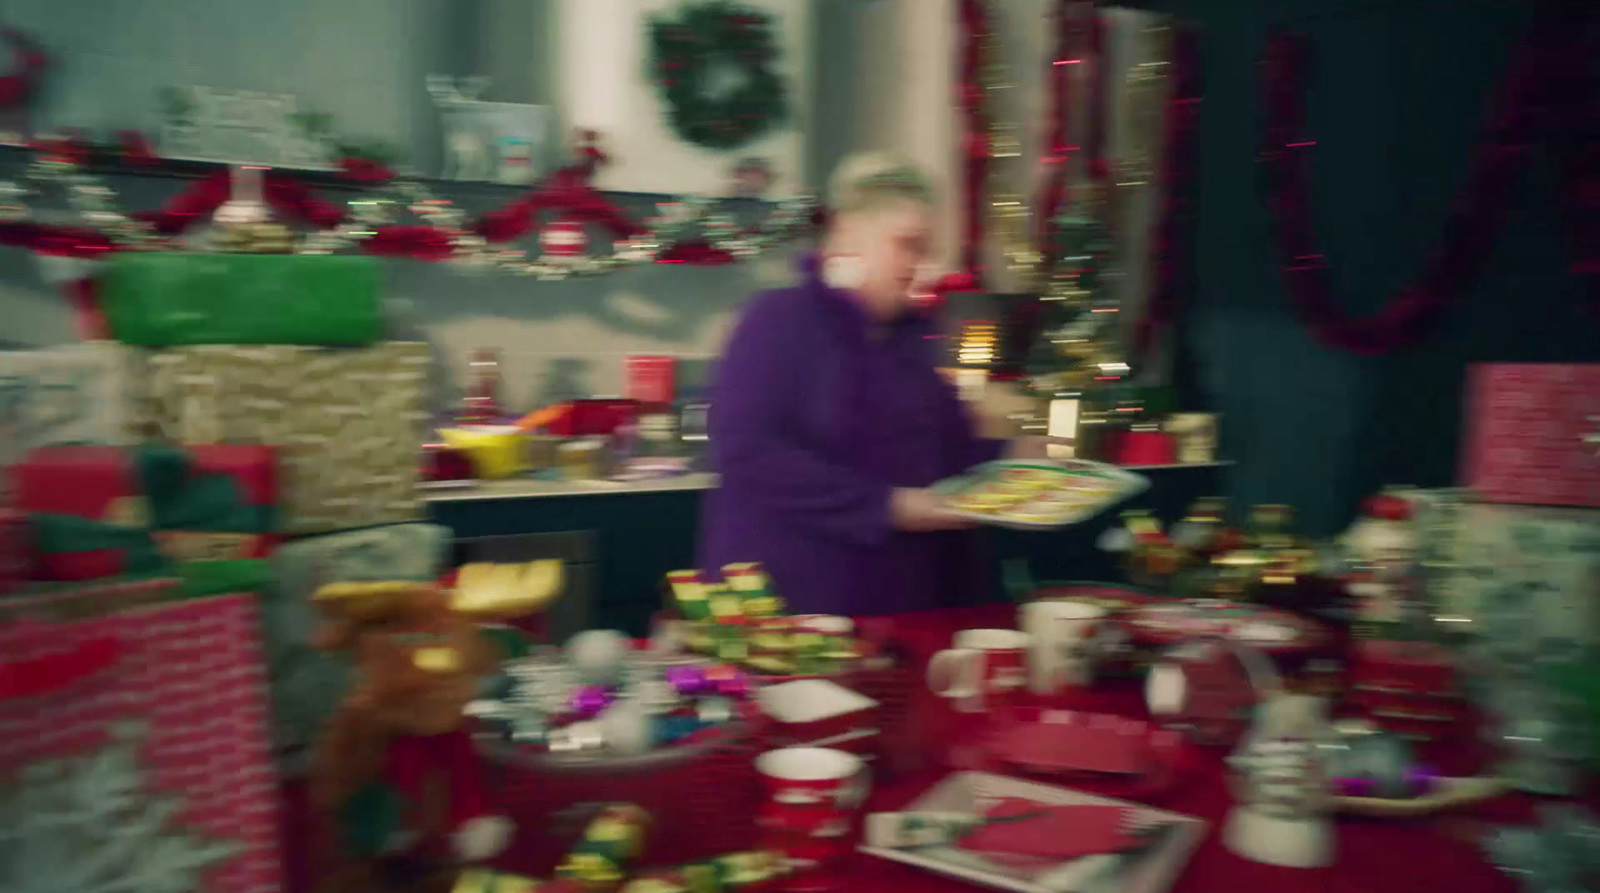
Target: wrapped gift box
103 511
145 730
347 423
14 549
1528 579
71 394
166 298
1526 430
1408 688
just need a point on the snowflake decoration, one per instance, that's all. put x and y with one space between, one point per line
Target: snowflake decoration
91 824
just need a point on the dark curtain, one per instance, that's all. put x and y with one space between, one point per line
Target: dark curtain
1399 96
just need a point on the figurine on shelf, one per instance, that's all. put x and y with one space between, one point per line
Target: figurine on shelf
1282 785
244 222
396 774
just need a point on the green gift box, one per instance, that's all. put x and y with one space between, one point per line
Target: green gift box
171 298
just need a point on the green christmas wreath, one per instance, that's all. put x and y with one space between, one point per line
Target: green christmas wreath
711 41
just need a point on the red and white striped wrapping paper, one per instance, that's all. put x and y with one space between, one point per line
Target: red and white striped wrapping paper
193 672
1525 430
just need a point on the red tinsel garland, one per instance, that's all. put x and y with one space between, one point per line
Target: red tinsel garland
1175 224
17 87
1526 107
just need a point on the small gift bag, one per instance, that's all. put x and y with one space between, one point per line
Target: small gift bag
133 746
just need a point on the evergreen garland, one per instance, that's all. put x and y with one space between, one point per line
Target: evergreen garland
684 53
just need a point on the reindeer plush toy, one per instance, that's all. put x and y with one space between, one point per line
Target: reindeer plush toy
395 772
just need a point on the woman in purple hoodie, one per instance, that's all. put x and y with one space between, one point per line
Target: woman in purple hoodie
829 420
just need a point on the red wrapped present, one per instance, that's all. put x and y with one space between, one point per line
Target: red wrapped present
1408 688
14 549
1527 434
104 511
145 725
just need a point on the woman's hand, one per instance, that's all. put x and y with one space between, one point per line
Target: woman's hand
1033 446
922 511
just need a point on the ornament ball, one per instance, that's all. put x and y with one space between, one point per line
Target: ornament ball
588 701
688 680
598 655
627 729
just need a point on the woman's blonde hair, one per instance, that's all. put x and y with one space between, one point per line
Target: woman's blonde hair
867 181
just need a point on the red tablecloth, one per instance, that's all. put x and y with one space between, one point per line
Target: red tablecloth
1374 856
1427 855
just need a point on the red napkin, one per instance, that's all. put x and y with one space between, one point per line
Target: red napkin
1018 827
1121 749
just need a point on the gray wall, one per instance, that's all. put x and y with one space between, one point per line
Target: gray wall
364 62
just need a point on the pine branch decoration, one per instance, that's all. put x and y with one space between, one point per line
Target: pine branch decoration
91 824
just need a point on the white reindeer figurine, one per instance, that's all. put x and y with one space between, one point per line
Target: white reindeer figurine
466 147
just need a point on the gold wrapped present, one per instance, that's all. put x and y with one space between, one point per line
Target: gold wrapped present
347 422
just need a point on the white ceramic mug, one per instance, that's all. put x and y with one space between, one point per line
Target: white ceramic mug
1068 638
983 665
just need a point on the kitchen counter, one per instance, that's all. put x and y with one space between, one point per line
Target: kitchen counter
529 488
634 533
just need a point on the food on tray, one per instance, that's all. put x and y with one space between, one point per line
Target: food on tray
1042 495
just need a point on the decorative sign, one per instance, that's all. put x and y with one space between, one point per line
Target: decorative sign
502 142
239 126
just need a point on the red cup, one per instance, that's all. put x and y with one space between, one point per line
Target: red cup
984 669
813 799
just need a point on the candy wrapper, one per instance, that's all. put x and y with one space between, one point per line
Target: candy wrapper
743 872
612 841
740 620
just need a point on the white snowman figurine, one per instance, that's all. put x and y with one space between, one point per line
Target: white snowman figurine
1281 784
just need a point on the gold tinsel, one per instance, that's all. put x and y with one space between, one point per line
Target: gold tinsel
1097 349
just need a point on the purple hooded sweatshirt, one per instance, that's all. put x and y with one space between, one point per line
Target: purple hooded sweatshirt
817 413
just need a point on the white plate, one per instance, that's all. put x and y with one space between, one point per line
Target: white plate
964 793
